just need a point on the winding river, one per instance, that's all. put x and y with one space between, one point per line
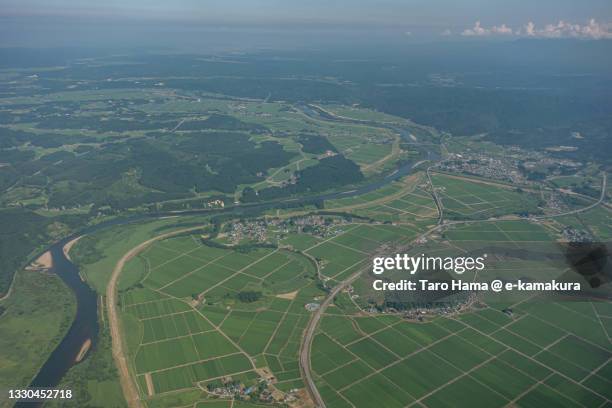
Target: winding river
85 324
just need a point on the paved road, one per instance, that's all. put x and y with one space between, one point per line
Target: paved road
306 346
130 390
436 198
602 197
177 126
309 336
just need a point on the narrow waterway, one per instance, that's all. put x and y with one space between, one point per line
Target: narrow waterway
85 324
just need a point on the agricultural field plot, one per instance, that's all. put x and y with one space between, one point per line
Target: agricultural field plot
403 201
414 207
511 250
538 356
58 155
194 313
535 354
369 153
193 327
364 144
472 199
591 181
300 242
511 232
417 203
201 313
405 211
514 249
283 174
350 250
598 221
335 258
368 198
363 114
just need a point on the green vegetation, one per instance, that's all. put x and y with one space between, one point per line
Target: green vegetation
94 381
312 179
35 318
24 232
195 313
363 358
436 362
248 296
466 199
206 314
72 153
97 254
315 144
188 307
200 312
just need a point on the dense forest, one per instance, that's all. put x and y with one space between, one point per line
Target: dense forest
315 144
113 154
21 234
334 171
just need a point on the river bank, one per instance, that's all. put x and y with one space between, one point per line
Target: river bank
85 325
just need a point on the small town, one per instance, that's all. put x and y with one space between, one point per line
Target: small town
274 229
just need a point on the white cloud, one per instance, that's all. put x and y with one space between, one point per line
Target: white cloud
502 30
592 30
477 30
562 29
596 30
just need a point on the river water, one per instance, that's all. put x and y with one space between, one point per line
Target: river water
85 325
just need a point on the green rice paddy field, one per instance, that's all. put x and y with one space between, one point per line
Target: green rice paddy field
179 342
542 353
555 354
185 326
465 199
413 205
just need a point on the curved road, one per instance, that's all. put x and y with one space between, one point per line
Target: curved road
306 345
436 198
130 390
61 358
602 197
309 336
309 332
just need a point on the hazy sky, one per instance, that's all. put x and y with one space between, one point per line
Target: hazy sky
68 22
432 13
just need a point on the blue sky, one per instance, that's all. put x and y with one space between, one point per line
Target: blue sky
443 14
68 22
